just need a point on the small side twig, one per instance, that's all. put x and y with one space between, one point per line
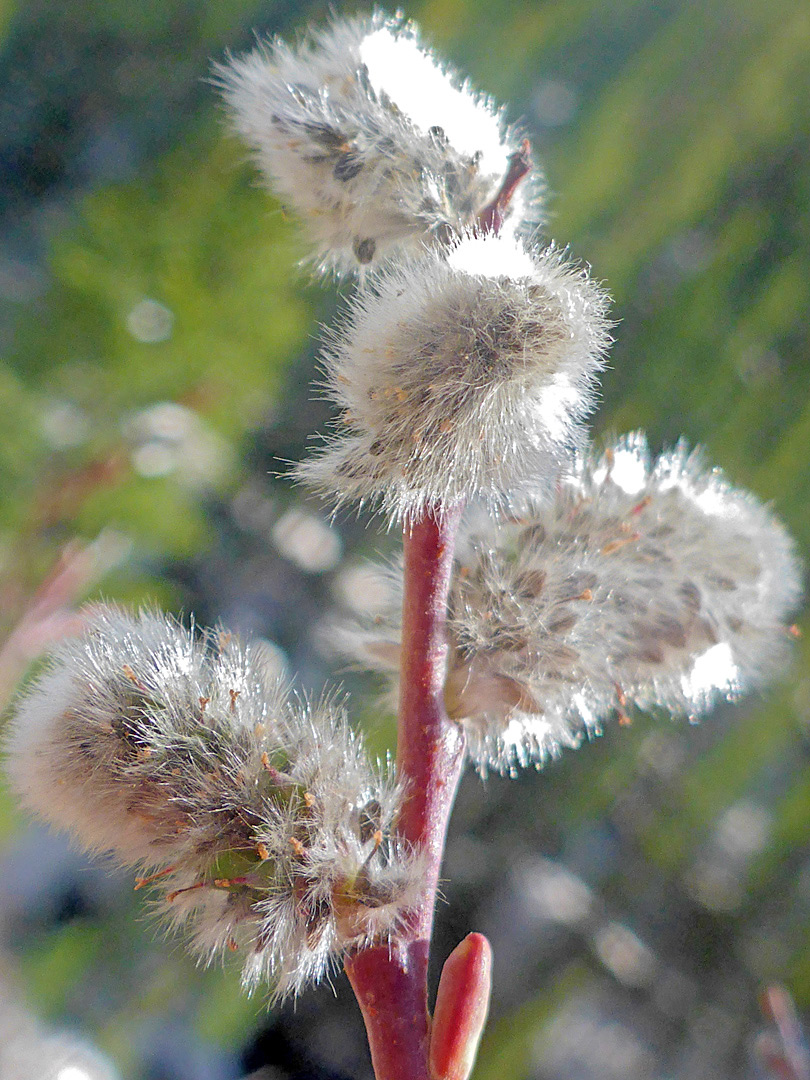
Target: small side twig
50 613
783 1052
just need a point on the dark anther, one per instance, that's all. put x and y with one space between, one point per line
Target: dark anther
348 166
364 250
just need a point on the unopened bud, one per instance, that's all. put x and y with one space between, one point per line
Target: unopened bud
462 1004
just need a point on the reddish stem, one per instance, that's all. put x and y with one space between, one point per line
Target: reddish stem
391 982
492 216
429 746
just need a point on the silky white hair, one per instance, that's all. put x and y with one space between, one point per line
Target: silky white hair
256 816
374 143
460 377
643 583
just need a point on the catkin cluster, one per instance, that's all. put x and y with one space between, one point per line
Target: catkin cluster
464 369
379 147
257 818
643 583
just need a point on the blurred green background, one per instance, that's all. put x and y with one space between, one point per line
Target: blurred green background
157 343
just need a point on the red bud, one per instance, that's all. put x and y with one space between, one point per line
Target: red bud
462 1004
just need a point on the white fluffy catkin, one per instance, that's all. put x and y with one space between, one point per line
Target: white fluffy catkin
460 376
256 817
648 584
375 144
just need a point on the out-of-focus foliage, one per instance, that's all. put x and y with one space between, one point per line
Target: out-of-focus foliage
154 300
155 345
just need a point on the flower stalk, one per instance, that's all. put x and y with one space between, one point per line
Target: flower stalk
391 982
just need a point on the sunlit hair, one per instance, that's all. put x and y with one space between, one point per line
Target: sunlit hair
256 817
370 139
460 377
643 583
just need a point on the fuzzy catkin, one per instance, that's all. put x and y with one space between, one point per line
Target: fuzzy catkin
460 376
375 144
256 817
644 583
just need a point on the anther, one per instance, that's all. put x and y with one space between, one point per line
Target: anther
133 678
614 545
